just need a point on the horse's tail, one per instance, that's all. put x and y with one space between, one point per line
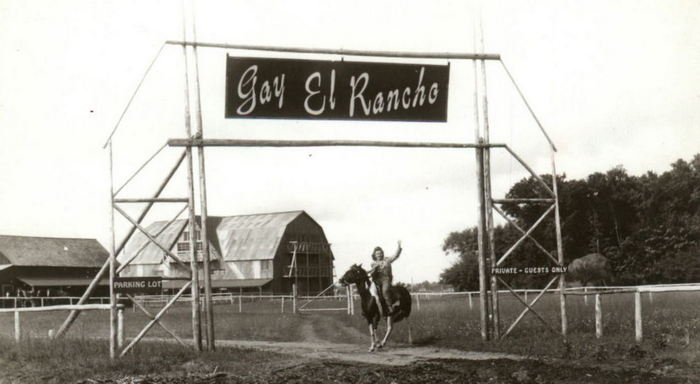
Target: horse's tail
405 302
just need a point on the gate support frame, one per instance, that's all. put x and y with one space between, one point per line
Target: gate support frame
487 203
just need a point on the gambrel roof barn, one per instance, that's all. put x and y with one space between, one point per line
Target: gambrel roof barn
248 252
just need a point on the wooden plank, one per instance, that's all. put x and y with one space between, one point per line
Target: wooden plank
320 143
153 200
523 201
81 307
341 52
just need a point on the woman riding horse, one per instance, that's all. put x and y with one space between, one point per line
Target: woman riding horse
382 276
370 305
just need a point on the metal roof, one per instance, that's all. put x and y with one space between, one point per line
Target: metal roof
60 281
51 252
244 237
228 283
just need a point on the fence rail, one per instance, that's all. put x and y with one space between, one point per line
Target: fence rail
38 304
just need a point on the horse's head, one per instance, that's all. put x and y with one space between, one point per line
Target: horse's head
354 275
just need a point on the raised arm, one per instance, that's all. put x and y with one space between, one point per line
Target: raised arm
396 255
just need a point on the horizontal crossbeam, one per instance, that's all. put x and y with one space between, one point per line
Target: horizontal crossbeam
154 200
523 201
346 52
320 143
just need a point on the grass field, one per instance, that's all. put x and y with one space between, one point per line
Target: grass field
671 330
671 326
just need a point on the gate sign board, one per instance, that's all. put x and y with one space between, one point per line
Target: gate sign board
335 90
535 270
138 285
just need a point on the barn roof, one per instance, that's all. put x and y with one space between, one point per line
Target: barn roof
242 237
51 252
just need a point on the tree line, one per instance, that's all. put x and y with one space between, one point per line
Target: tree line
648 226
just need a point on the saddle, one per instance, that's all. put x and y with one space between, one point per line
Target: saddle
379 298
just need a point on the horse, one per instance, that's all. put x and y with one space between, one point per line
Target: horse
370 310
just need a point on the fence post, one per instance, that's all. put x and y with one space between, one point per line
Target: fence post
585 296
526 295
294 299
240 303
638 317
15 302
598 317
347 296
471 304
651 297
18 330
418 302
282 305
120 328
352 300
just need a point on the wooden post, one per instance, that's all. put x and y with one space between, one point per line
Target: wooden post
598 316
240 303
352 300
294 298
526 295
347 297
651 297
471 304
112 266
638 317
488 204
585 297
120 328
417 302
282 305
481 241
196 327
560 247
18 329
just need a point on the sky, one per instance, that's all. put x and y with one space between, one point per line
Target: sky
613 83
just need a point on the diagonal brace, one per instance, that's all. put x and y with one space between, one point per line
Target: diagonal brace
152 317
138 252
537 243
151 238
529 307
525 236
156 318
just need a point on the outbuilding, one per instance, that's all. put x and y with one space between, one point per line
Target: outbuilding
249 253
49 266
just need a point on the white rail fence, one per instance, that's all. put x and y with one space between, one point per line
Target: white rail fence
289 303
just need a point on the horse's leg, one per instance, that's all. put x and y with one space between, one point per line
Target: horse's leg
389 327
372 337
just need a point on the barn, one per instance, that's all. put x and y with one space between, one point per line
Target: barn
249 253
47 266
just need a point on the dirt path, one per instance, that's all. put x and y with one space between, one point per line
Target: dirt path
394 355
